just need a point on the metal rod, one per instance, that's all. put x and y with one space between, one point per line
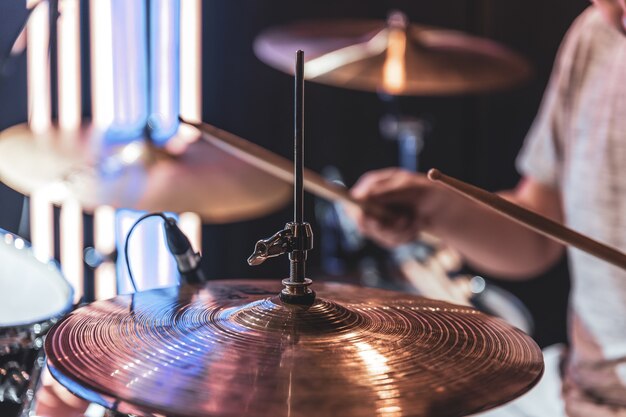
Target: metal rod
298 214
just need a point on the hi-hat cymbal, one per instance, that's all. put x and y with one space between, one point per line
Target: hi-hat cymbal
190 175
392 57
232 348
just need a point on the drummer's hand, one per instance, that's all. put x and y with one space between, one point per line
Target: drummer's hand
411 200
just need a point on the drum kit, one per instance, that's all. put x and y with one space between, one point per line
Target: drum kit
262 348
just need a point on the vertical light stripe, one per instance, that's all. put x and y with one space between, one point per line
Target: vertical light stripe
130 70
71 242
166 274
190 59
41 225
69 64
191 225
126 219
164 68
105 284
101 63
38 68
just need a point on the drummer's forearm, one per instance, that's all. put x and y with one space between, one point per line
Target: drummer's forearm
497 245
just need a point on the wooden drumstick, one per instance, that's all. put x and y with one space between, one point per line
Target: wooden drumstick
532 220
281 167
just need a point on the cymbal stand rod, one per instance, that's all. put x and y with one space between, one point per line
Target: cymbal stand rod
297 257
298 170
297 236
296 286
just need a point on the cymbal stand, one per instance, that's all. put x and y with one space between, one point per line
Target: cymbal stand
297 236
409 132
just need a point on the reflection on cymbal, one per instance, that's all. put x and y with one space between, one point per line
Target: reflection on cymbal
232 348
392 57
190 175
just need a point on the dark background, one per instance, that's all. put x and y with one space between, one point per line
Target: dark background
475 138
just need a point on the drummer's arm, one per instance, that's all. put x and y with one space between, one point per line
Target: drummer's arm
498 246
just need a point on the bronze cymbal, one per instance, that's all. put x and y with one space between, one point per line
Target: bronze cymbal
188 175
232 348
392 57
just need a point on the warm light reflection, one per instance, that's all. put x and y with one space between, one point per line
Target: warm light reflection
38 68
328 62
375 362
68 35
101 63
71 245
376 366
394 69
190 55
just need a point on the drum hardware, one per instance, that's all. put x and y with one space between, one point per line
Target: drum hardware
178 179
94 258
25 318
234 348
297 236
531 220
393 57
409 133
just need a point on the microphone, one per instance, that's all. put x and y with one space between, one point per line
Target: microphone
187 261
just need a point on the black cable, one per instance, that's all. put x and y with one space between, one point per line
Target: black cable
139 220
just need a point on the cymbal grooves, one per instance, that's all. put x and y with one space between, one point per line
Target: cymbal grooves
231 349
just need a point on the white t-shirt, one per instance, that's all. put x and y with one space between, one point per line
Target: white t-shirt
578 145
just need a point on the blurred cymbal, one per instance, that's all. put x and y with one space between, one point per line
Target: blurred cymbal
232 348
392 57
189 175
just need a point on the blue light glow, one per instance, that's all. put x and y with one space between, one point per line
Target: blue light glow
130 76
164 69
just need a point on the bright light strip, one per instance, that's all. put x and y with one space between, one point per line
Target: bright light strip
69 64
38 68
71 245
130 77
105 285
125 220
101 63
41 225
150 260
164 68
190 59
191 225
165 273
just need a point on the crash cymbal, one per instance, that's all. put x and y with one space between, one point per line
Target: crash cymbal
189 175
392 57
232 348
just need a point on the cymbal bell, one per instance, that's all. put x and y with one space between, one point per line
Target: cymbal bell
232 348
392 57
188 175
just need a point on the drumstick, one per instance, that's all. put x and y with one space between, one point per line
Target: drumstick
532 220
280 167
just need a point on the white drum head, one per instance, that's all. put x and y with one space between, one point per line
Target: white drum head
31 291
